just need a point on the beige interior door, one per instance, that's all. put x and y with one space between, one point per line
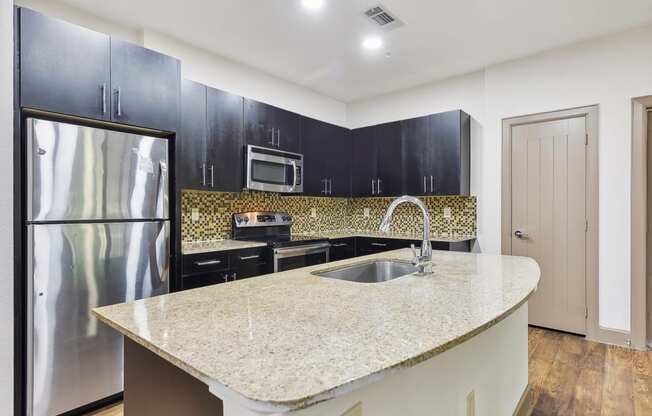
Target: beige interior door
549 217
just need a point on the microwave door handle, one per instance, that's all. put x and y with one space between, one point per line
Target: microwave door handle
294 175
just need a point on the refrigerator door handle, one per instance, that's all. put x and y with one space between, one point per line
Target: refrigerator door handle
161 194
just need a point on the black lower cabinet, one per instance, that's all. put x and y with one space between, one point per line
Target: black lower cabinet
249 263
368 245
342 249
207 269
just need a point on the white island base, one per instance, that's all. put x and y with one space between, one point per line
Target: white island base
485 375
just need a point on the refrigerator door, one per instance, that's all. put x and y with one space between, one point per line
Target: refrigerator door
73 359
77 173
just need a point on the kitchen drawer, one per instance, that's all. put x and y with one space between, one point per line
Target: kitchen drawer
205 262
250 262
368 245
204 279
342 249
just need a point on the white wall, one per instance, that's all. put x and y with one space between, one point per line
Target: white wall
6 209
210 69
609 71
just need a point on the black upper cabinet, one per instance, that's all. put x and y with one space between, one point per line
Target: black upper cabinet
417 156
389 170
225 140
71 70
377 166
436 154
144 87
211 137
363 171
64 68
450 134
269 126
192 172
327 158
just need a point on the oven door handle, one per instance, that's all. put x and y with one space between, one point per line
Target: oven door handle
286 252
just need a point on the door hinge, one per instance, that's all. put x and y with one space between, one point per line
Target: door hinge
586 312
586 139
586 226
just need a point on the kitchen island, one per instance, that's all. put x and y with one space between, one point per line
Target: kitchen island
447 343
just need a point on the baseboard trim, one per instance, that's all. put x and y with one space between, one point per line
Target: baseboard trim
525 405
611 336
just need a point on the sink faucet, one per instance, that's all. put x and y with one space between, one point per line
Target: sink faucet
423 260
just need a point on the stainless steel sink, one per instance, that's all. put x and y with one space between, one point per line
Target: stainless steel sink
372 272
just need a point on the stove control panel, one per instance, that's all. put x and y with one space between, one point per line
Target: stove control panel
261 219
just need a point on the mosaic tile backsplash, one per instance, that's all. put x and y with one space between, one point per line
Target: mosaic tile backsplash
331 214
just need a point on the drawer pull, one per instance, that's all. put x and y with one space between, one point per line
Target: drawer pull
379 244
207 263
249 257
340 245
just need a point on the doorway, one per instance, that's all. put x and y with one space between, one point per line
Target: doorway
549 212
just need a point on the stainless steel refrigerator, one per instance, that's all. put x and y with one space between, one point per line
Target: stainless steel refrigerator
97 234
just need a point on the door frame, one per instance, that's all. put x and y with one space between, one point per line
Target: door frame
639 210
593 329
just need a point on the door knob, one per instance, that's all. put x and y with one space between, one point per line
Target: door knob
521 234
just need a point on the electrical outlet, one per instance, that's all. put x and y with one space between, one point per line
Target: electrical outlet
313 212
470 404
366 213
194 216
448 214
354 411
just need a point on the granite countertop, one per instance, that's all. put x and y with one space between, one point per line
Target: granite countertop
196 247
289 340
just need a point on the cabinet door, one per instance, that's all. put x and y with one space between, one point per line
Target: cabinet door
314 138
257 123
363 165
387 139
288 129
249 263
64 68
342 249
417 150
225 141
338 159
445 129
192 172
145 87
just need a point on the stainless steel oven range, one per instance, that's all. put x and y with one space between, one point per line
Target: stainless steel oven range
288 251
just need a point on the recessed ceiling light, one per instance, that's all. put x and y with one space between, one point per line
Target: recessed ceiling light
372 43
312 4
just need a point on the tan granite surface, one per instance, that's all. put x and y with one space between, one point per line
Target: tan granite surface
292 339
195 247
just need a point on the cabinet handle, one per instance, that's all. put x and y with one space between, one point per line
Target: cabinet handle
323 188
278 140
379 182
272 142
330 186
425 187
103 89
203 174
249 257
379 244
340 245
212 176
207 263
432 184
373 189
118 110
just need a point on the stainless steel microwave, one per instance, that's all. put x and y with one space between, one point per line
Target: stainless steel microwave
273 170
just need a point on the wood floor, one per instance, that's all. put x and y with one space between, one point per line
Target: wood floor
571 376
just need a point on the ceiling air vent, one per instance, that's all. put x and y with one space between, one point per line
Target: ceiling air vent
380 16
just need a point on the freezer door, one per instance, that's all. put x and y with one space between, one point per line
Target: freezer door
73 359
83 173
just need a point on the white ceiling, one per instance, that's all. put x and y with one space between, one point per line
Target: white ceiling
321 50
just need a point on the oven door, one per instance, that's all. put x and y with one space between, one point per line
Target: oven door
271 170
289 258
